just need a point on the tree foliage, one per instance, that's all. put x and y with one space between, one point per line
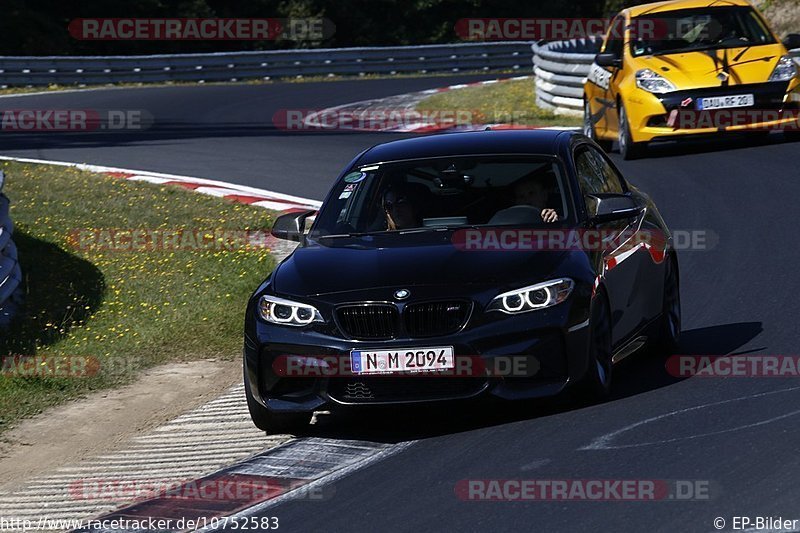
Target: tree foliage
39 27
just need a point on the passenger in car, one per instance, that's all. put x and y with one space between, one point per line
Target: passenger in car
401 205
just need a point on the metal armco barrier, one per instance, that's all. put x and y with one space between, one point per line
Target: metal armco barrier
96 70
561 68
10 274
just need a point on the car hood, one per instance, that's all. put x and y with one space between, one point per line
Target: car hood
694 70
358 264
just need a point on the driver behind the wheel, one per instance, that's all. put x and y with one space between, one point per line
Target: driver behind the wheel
531 191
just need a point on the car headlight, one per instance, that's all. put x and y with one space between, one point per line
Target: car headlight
785 70
286 312
653 82
539 296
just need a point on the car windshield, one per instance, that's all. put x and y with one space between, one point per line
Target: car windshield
698 29
444 193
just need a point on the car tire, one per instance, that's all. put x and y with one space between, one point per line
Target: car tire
271 422
588 129
627 148
669 331
596 384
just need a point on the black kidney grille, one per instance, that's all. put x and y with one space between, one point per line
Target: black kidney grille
370 321
435 318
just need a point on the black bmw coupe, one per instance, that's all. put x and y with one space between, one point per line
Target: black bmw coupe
511 264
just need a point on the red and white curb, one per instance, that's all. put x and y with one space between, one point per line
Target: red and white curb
429 92
403 105
229 191
191 445
204 465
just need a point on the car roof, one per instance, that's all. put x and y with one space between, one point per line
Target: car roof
534 142
674 5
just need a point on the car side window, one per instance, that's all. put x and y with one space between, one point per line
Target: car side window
615 39
614 183
595 175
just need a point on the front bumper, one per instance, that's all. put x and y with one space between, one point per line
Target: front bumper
525 356
776 107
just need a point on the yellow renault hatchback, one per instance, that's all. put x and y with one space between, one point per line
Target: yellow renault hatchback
661 63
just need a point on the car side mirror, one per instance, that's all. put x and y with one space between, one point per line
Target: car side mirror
290 227
608 59
611 207
792 41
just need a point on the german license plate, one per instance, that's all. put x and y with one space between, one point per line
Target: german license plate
726 102
402 360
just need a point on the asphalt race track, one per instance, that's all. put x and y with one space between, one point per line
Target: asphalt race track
738 436
223 132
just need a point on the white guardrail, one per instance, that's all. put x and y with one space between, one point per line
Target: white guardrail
234 66
560 69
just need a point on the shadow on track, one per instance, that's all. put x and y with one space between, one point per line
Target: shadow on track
709 144
638 374
60 289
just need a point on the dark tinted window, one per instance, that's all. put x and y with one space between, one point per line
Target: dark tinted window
443 192
614 41
595 174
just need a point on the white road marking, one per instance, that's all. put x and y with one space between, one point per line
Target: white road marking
604 441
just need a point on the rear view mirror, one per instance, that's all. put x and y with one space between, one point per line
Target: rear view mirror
792 41
290 227
608 60
610 207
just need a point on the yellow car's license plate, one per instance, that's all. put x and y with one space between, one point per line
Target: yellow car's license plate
725 102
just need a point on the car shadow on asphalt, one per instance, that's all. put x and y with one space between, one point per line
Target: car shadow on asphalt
59 288
731 141
640 373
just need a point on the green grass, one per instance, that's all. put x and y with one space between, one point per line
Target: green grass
783 16
511 101
127 310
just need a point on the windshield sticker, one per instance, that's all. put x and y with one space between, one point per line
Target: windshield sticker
355 177
348 190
